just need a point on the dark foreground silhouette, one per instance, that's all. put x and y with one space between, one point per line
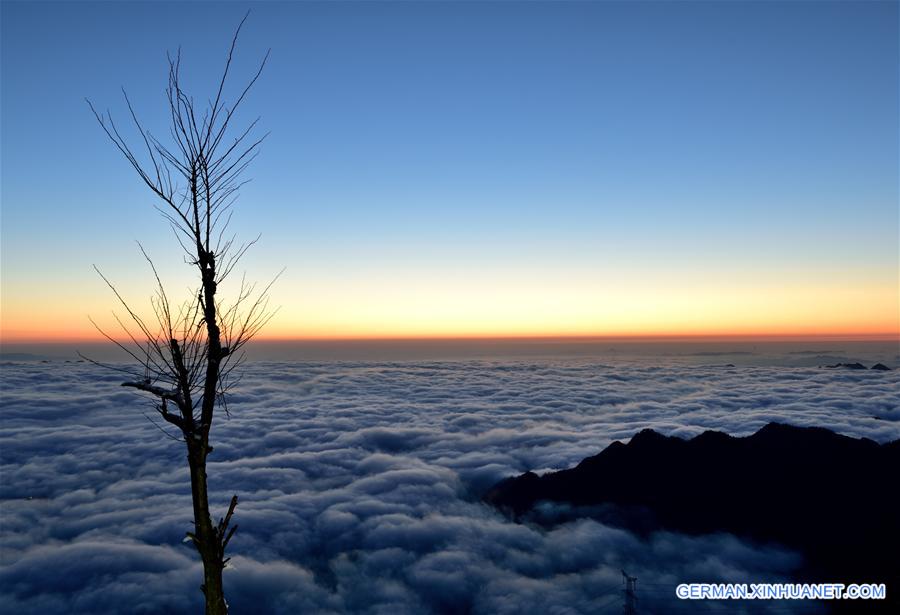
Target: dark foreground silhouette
833 498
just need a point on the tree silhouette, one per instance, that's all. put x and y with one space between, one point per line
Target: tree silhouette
186 353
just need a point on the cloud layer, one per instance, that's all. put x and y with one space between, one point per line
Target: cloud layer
359 484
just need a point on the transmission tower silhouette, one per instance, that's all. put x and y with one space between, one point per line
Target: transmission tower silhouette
630 594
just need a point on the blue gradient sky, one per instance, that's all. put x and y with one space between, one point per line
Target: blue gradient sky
480 168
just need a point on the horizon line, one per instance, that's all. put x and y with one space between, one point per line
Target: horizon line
574 338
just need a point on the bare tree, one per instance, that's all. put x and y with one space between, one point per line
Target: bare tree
186 353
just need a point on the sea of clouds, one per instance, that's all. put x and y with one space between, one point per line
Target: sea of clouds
359 485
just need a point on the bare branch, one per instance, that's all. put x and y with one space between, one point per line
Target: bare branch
155 390
188 351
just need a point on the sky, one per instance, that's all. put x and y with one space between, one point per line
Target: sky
477 169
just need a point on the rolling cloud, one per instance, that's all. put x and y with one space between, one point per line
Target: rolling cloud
359 484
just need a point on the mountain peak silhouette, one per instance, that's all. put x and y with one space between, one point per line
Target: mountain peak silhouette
829 496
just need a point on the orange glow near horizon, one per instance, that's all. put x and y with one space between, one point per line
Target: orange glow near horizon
413 312
64 338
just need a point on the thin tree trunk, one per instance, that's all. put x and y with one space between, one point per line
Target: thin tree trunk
206 538
182 366
209 542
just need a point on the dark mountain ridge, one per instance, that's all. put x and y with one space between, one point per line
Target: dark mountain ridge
833 498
